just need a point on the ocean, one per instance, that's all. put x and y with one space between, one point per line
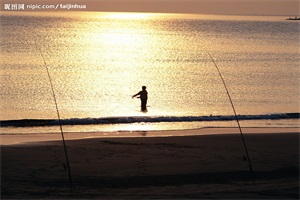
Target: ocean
97 61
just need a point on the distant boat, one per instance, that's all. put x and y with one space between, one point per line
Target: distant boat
293 18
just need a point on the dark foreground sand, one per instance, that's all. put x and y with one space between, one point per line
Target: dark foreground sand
199 167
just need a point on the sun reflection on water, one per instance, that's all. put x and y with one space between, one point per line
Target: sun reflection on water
126 16
119 55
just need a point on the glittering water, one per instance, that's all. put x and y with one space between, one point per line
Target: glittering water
98 60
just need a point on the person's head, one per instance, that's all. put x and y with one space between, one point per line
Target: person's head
144 87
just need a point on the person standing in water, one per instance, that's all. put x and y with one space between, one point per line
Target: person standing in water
143 95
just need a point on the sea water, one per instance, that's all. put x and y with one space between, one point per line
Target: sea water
97 61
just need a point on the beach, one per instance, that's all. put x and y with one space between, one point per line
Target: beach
201 164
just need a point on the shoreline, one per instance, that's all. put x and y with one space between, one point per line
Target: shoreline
13 139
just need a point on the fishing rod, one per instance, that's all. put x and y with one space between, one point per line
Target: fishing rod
236 117
59 119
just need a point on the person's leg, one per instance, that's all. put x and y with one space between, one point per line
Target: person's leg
143 104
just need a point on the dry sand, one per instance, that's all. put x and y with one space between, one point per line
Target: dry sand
190 164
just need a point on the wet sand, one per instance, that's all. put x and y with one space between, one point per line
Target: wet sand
201 164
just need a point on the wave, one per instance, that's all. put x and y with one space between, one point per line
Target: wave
139 119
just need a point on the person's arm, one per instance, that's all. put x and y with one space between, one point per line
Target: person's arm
136 94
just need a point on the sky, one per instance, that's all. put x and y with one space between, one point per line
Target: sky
227 7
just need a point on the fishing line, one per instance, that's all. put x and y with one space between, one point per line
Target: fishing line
237 119
59 119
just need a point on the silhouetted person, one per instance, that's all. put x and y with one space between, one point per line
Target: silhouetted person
143 96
